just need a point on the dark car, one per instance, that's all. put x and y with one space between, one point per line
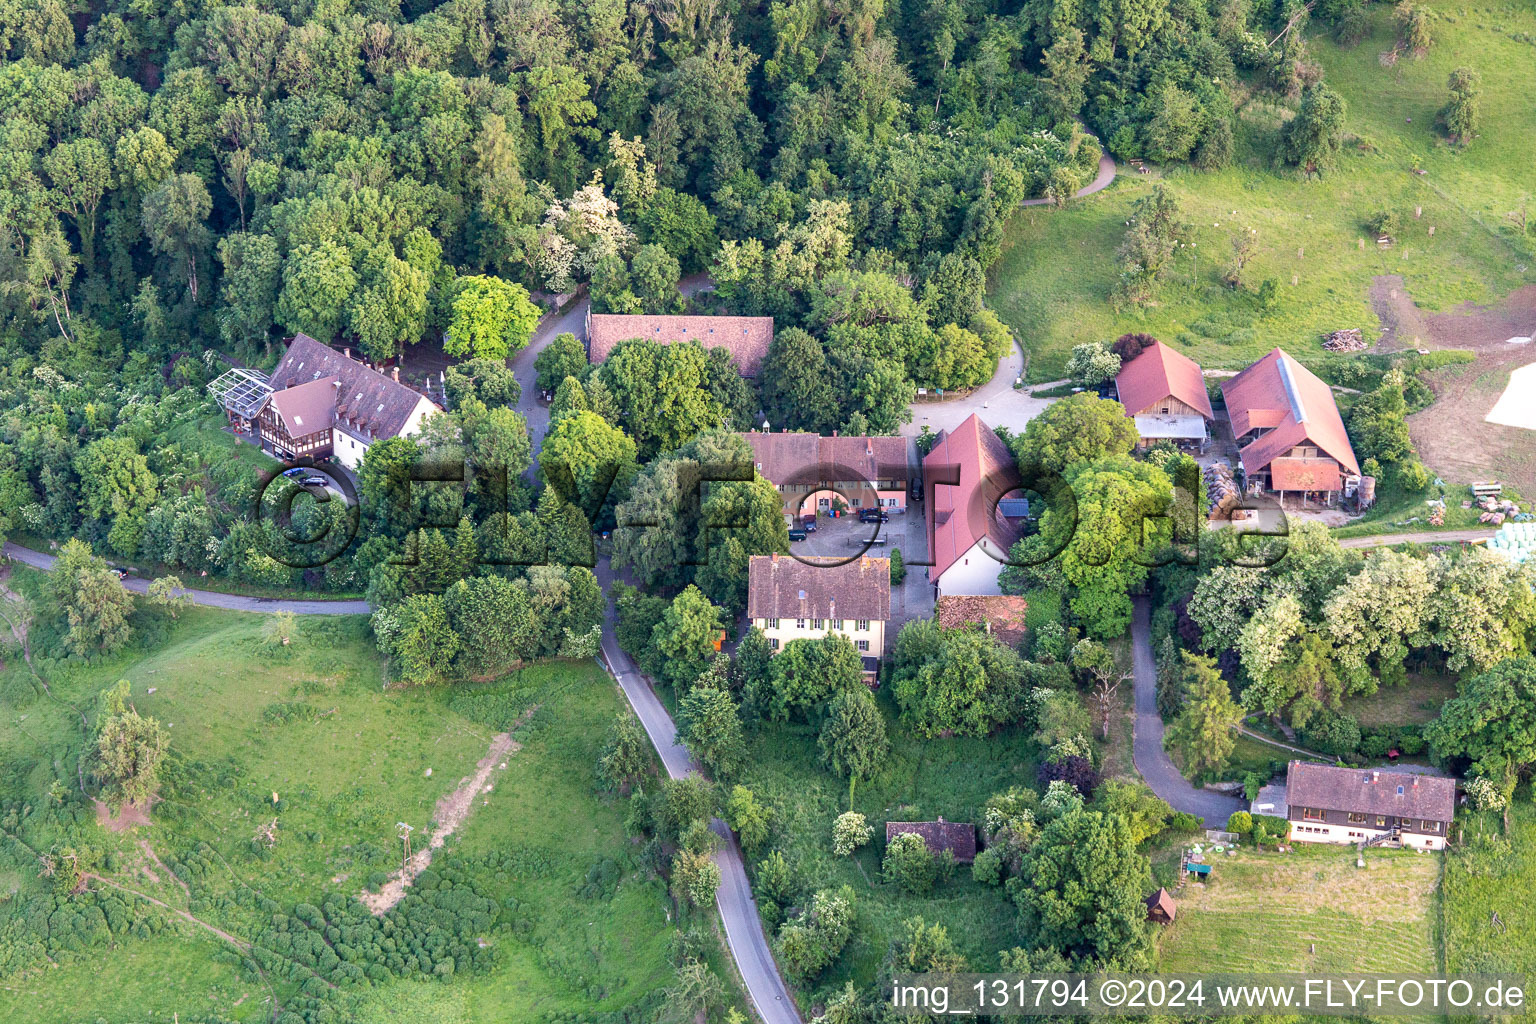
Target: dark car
315 481
796 535
873 515
808 523
121 574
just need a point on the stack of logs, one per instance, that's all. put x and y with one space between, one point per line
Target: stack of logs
1351 339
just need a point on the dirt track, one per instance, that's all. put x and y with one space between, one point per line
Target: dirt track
451 812
1452 436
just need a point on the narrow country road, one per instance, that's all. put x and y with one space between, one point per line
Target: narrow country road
210 598
738 910
1152 761
1098 184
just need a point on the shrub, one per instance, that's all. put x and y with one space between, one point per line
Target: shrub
909 864
1183 821
849 832
1385 221
1241 822
987 868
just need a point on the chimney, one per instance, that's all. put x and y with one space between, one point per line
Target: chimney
347 352
775 556
834 433
1415 782
395 373
1375 776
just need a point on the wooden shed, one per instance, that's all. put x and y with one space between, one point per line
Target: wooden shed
1160 907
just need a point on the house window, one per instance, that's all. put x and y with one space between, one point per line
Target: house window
1430 826
856 502
1356 819
772 623
861 624
863 645
818 623
1405 823
1381 821
837 624
1312 814
799 623
773 644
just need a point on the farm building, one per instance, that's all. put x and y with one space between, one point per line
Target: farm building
940 836
811 471
970 531
795 599
746 338
1328 804
1292 438
1164 392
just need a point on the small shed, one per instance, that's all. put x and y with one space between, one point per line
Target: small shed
1160 907
957 838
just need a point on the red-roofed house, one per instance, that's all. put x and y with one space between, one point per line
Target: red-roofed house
812 471
1164 392
966 475
746 338
1292 438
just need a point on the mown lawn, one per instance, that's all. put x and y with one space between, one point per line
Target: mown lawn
1490 918
346 760
1054 280
1309 911
1414 704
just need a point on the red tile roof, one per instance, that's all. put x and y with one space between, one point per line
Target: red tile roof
785 587
959 839
746 338
1305 475
787 457
1157 373
1279 392
963 514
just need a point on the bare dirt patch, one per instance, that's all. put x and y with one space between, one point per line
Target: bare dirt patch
128 816
1452 435
449 813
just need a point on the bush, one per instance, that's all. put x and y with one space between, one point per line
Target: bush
1183 821
909 865
1241 822
898 568
987 868
1384 221
849 832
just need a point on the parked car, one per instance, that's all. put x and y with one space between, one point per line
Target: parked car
295 471
873 515
795 535
121 573
808 523
915 491
315 481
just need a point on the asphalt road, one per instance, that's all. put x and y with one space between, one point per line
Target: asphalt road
1152 761
209 598
738 910
1098 184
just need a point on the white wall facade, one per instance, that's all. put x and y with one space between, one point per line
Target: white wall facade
1351 835
785 630
349 451
974 573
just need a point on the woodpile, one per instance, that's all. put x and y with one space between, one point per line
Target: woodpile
1221 491
1351 339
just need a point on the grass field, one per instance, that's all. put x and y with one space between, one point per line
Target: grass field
1053 283
1268 912
347 760
1414 704
1490 919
